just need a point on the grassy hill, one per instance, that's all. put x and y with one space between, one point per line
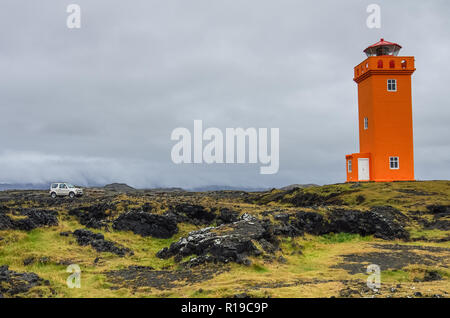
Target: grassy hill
303 264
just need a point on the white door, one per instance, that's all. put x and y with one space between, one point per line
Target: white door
363 169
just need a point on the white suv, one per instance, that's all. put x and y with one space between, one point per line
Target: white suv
64 189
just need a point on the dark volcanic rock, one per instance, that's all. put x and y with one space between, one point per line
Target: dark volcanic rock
146 276
440 219
195 214
435 224
307 199
146 224
227 216
281 217
5 222
310 222
199 215
93 216
33 219
431 276
226 243
382 222
443 210
28 261
394 257
12 283
147 207
98 242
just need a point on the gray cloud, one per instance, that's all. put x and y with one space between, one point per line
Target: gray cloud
98 104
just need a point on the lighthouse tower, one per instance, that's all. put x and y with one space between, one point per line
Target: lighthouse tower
384 116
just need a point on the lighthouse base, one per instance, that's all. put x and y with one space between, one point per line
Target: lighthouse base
358 167
364 167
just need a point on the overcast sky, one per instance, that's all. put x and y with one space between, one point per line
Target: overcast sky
98 104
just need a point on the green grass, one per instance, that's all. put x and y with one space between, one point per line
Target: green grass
259 268
307 257
428 234
333 238
395 276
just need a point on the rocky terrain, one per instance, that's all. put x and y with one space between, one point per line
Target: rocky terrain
298 241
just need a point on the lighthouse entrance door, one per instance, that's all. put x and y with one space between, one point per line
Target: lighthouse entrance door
363 169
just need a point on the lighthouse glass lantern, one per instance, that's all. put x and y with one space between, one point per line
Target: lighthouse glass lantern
383 48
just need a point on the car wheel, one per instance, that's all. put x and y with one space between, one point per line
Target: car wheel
53 195
71 195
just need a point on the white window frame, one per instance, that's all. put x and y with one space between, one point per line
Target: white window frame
349 166
366 123
394 160
392 82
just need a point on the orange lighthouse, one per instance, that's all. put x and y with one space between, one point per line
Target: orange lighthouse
384 116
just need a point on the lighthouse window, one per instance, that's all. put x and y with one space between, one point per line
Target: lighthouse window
366 123
349 166
393 163
392 85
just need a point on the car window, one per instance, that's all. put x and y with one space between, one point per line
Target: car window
54 185
70 185
62 186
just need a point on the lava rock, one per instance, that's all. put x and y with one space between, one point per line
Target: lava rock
44 260
146 224
33 219
98 242
147 207
431 276
227 216
360 199
382 222
191 213
93 216
284 217
310 222
13 283
225 243
349 293
308 199
5 222
28 261
282 260
439 209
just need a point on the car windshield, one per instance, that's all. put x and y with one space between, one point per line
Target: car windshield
69 185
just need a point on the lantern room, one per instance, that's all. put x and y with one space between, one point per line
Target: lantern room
383 48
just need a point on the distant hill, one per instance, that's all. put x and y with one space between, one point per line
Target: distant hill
119 187
24 186
301 186
173 189
226 188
